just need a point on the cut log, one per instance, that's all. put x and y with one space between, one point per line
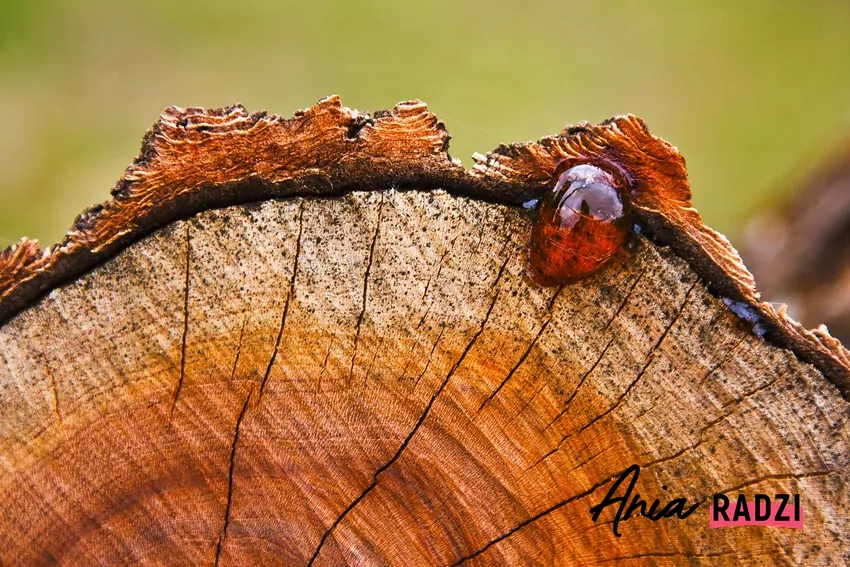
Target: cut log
312 342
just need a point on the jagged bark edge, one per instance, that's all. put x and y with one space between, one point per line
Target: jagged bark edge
194 159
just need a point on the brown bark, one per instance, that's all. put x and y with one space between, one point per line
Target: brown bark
241 370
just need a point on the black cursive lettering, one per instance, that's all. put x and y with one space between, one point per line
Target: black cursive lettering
675 507
609 499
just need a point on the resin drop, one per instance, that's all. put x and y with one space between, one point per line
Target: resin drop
582 221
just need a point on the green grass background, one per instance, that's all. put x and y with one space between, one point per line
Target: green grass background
751 92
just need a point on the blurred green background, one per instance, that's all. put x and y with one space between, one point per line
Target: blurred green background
751 92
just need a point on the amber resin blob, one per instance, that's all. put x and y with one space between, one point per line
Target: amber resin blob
582 221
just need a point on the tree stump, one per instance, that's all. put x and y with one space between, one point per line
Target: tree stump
311 341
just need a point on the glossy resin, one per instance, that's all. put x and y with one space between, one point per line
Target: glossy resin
583 220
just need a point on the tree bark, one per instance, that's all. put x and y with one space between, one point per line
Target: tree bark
312 341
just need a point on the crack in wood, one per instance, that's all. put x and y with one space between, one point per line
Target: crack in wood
325 363
238 347
422 319
530 520
223 534
625 299
289 296
589 460
578 387
423 416
418 341
748 395
366 287
725 359
516 366
711 424
416 344
623 303
445 253
554 298
427 362
702 432
649 359
530 400
372 362
682 554
185 324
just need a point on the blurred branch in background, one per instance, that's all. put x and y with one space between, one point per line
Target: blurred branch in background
799 249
